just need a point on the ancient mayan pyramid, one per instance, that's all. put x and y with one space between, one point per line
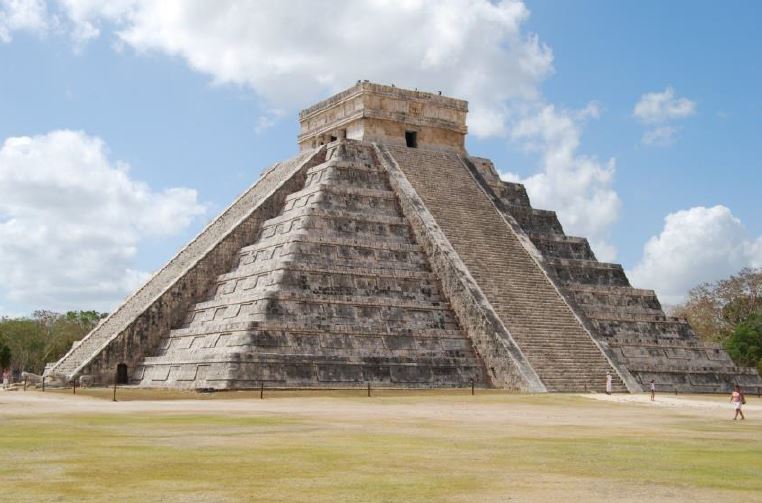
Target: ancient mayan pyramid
384 253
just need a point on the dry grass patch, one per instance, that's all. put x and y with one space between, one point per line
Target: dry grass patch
401 447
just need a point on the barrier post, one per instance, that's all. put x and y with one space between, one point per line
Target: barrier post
74 386
116 378
472 387
261 390
43 384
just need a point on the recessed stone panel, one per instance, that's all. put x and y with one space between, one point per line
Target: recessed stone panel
404 374
340 373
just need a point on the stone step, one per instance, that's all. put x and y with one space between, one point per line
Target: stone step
553 245
356 176
605 290
618 303
511 194
356 271
332 255
303 328
314 212
588 272
329 240
348 166
535 220
338 228
325 355
669 328
623 314
293 372
572 354
341 190
369 205
337 272
222 336
434 302
394 318
389 262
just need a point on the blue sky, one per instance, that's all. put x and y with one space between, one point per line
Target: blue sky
615 51
198 102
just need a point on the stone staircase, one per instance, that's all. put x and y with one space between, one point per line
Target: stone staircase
560 350
334 292
629 321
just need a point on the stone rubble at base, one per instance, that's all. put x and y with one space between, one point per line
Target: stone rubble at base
383 253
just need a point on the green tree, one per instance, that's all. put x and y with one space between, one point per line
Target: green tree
44 337
703 310
714 310
5 357
745 344
26 340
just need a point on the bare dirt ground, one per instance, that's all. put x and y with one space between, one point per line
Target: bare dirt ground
433 404
701 404
395 446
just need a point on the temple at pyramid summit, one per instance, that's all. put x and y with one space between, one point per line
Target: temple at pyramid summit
385 253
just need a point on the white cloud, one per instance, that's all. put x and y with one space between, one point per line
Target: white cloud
22 15
663 106
71 220
475 49
579 187
658 110
264 122
661 136
86 15
695 245
268 120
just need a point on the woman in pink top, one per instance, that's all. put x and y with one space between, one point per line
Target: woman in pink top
737 400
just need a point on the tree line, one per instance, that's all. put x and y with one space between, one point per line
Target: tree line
28 343
729 312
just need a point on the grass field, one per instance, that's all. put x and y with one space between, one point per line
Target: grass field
396 446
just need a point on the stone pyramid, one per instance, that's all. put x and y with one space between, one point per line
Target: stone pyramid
383 253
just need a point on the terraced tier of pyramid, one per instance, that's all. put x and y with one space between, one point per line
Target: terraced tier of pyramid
383 253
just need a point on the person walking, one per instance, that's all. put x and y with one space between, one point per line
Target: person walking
653 390
609 382
737 399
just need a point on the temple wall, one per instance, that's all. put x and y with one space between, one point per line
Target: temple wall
393 133
377 113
